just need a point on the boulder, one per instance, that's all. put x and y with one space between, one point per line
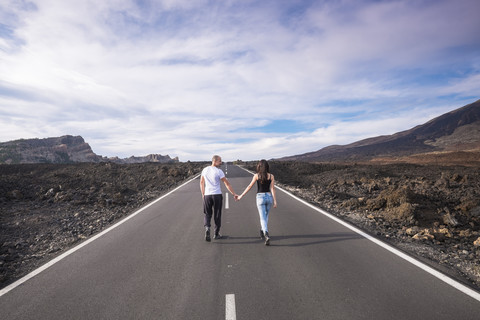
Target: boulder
423 236
450 220
476 243
412 231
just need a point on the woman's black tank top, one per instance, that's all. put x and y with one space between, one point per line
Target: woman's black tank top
263 187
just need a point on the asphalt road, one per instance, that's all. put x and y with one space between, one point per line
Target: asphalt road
157 265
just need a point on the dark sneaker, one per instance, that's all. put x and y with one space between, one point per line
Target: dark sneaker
217 236
261 235
207 235
267 239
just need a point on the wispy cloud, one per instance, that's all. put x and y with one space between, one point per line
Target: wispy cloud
192 78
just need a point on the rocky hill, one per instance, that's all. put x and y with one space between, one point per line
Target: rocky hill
454 137
149 158
65 149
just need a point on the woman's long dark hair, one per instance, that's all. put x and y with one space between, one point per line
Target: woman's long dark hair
263 170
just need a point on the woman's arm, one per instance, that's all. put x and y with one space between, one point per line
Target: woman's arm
254 179
272 190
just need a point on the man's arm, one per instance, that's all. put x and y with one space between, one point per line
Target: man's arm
229 186
202 185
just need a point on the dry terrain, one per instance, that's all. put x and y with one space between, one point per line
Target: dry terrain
48 208
430 211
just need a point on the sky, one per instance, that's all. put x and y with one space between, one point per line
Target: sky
243 79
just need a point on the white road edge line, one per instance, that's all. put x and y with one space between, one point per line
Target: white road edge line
230 313
457 285
81 245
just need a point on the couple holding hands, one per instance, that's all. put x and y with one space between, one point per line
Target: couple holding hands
212 196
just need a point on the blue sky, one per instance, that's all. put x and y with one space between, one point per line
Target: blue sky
243 79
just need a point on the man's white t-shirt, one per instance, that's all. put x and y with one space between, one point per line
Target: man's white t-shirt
212 176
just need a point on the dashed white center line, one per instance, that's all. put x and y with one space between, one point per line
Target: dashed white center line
226 200
230 313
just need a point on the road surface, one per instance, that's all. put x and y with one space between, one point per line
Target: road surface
157 265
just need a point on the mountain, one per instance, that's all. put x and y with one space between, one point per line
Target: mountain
454 133
65 149
149 158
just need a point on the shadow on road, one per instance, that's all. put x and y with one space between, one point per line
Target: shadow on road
291 240
312 239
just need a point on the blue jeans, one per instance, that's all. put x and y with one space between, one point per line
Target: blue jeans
264 204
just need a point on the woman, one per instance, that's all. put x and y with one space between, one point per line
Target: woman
265 196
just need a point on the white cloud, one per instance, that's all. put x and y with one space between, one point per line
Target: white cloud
469 86
190 77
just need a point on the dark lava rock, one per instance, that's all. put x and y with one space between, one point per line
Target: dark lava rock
430 211
46 209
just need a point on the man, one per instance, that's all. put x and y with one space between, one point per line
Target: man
212 195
